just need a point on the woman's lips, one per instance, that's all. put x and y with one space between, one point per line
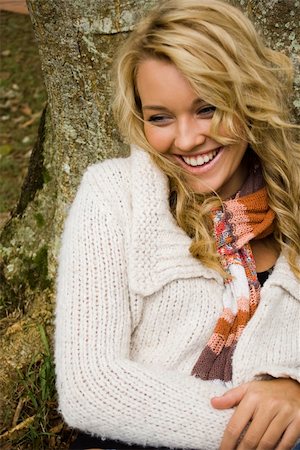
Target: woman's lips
199 160
200 169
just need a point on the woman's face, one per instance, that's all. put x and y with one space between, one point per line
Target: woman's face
177 125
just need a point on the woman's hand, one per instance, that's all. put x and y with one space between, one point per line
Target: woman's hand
269 409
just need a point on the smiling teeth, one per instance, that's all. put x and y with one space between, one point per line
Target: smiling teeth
199 160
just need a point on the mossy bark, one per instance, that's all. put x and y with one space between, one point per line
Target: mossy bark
77 41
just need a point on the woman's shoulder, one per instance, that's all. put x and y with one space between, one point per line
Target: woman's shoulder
117 174
107 180
102 198
108 172
284 277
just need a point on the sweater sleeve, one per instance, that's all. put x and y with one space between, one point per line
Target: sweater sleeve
101 390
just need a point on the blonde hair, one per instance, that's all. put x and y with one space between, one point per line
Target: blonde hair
219 52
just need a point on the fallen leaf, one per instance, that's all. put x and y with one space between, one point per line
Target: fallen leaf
26 140
30 121
57 428
6 53
25 109
25 424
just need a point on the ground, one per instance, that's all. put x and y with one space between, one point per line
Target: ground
22 98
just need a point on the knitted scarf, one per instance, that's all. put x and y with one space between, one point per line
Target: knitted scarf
240 220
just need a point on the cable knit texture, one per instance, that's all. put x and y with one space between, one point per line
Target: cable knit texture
135 309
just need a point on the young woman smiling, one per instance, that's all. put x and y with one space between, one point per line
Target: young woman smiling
178 125
178 290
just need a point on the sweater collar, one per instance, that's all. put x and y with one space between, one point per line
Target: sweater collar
160 248
283 277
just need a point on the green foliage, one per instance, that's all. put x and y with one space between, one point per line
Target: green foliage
39 386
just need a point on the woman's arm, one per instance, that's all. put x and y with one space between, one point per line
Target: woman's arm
101 390
269 411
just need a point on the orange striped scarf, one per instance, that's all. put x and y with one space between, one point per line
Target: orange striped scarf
240 220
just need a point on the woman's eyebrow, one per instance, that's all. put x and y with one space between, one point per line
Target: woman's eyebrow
155 107
199 101
196 102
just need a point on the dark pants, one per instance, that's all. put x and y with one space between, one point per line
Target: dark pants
85 441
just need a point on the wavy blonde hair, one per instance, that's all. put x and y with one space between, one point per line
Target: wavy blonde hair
220 53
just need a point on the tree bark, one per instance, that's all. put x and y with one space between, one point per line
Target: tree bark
77 41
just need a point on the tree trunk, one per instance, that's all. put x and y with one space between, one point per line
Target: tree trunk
77 40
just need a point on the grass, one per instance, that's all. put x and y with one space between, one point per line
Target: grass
36 424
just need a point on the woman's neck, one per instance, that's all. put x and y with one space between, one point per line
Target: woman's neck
265 252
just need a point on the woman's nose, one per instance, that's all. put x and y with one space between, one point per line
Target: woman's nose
189 135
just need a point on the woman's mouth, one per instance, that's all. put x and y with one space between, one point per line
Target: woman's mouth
200 164
200 160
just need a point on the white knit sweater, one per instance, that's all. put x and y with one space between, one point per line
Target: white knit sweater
135 309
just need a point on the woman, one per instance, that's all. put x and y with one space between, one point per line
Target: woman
164 335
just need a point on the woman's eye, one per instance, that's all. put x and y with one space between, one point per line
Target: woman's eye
207 111
158 119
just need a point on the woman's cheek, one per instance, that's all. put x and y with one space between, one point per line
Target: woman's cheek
158 138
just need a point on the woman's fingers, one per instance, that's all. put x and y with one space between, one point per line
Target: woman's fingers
281 421
267 415
263 432
231 398
255 436
266 429
291 435
238 422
